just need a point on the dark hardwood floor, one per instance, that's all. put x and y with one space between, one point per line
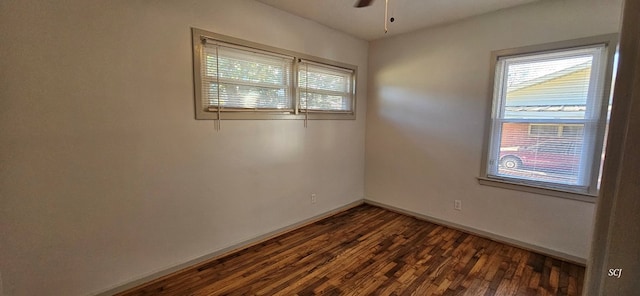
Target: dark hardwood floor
372 251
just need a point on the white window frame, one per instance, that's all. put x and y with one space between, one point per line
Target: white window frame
593 141
199 37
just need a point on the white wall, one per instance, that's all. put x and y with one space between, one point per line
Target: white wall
426 117
105 175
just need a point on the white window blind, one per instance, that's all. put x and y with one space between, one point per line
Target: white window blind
244 79
547 108
238 79
324 88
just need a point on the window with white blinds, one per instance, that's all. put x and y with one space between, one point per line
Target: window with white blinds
244 79
324 88
548 118
237 79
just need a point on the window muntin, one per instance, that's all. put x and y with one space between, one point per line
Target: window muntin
237 79
546 115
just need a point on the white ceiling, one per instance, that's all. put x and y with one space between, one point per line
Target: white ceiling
368 23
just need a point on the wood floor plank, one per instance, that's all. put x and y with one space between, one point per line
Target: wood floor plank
368 250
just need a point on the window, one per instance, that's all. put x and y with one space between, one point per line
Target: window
548 117
237 79
323 88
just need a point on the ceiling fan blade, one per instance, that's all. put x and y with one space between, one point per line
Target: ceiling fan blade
363 3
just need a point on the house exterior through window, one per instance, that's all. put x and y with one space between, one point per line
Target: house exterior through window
549 115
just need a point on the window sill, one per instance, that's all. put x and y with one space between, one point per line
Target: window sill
583 197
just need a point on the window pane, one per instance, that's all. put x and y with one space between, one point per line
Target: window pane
247 79
242 96
554 159
548 86
324 88
324 102
323 80
250 69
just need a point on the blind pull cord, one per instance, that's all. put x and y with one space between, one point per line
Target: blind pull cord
306 82
217 128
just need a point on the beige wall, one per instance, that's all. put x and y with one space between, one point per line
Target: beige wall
426 117
105 176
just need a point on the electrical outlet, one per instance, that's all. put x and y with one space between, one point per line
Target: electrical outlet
457 205
313 198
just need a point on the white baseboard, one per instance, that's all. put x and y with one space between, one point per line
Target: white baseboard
226 251
492 236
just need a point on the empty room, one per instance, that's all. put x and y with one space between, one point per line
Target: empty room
305 147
